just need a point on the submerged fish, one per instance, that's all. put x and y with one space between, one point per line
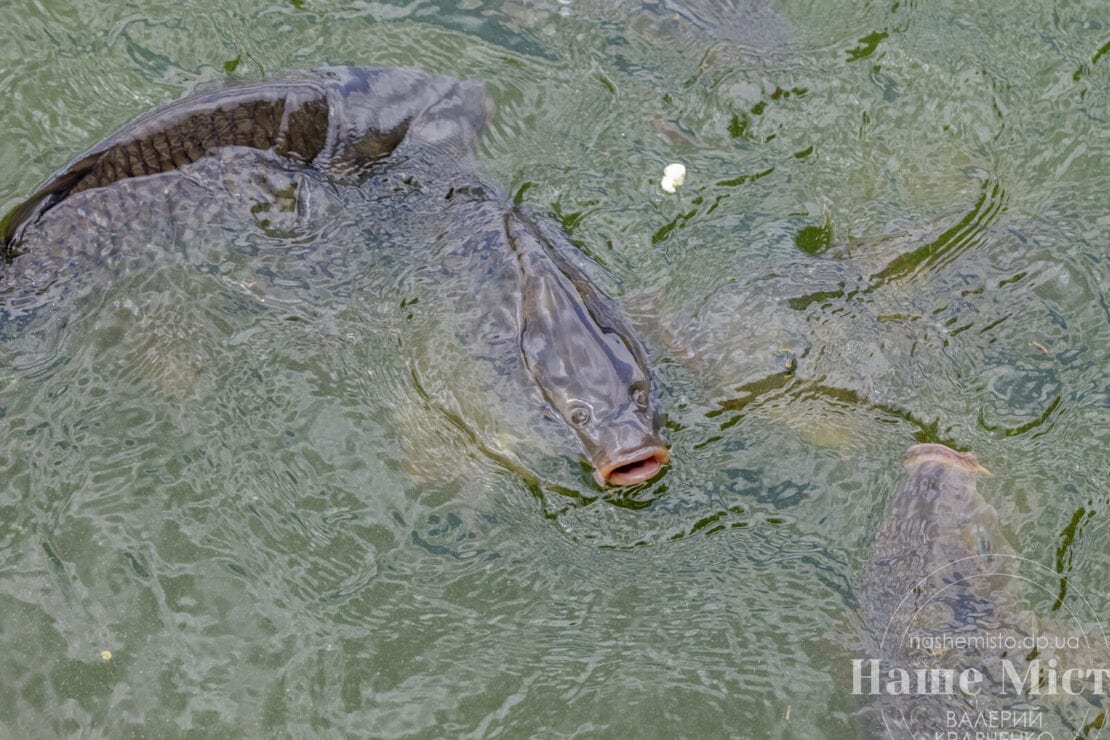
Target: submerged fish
397 129
929 577
946 637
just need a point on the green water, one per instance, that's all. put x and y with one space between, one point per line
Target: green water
274 531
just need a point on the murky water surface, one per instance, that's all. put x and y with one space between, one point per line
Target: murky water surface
255 491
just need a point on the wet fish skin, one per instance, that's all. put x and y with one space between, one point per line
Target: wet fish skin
590 366
345 123
338 120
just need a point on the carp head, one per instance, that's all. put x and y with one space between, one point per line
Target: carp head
587 362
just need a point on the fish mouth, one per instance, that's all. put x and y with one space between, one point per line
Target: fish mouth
632 467
932 452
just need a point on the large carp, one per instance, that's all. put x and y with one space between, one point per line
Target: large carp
951 650
410 135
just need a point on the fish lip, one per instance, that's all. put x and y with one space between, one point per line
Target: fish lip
933 452
632 467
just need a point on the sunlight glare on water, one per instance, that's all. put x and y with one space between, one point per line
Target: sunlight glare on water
266 478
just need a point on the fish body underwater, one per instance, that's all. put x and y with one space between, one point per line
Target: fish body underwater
947 636
272 152
935 534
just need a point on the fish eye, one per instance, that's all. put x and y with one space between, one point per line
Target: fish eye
579 415
638 392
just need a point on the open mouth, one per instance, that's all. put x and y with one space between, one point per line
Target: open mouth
634 467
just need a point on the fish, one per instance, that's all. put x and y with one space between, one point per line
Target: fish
928 576
405 131
947 638
574 337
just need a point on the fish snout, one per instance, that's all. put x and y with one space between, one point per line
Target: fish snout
943 455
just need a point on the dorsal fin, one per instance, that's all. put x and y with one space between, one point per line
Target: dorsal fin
339 119
289 117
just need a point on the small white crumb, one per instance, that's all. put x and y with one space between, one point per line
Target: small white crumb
673 176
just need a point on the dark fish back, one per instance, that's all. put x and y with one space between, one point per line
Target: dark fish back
339 120
291 119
